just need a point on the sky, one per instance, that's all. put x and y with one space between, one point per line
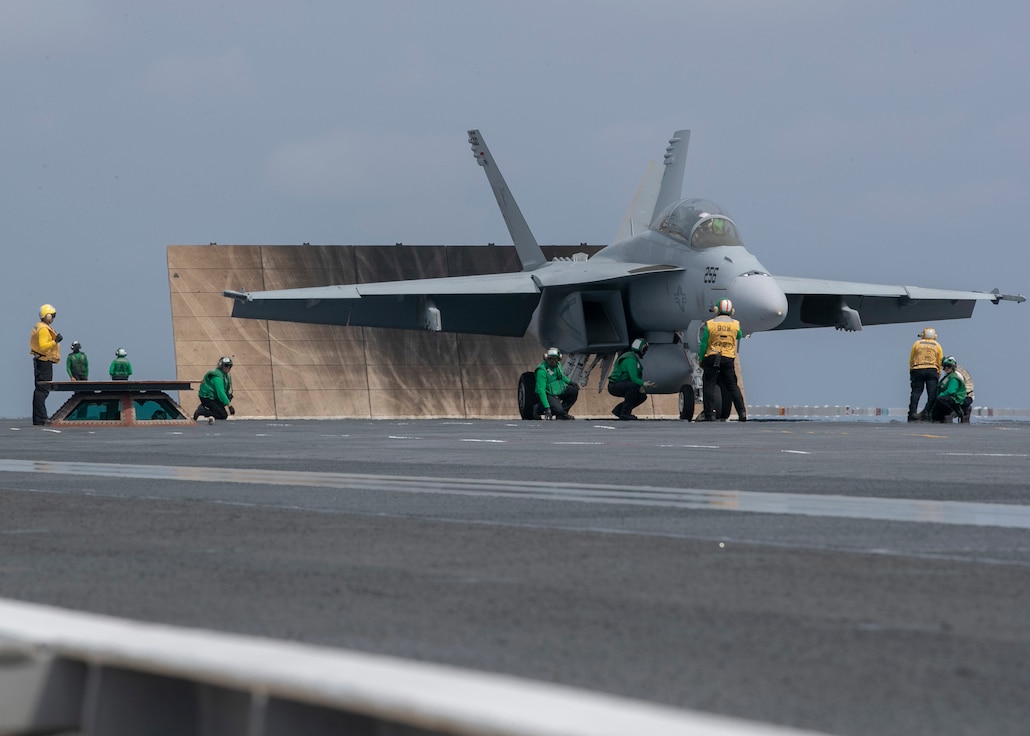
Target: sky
876 141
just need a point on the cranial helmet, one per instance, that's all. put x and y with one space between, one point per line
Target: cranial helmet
725 306
45 310
120 353
76 345
639 346
929 333
949 362
552 353
225 362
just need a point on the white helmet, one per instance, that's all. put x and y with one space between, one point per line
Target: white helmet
725 306
929 333
639 346
120 353
552 353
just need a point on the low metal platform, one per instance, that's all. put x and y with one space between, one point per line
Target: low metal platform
119 403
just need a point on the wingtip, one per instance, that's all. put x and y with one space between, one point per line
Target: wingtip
999 297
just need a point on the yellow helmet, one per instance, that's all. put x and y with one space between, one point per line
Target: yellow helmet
46 309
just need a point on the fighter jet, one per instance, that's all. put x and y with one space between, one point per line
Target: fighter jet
671 263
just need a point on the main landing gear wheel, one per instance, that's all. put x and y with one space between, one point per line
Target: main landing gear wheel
723 403
527 395
687 403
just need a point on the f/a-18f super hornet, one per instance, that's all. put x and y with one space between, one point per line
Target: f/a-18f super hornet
659 281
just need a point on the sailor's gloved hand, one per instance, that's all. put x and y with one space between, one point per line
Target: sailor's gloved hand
231 410
548 414
59 337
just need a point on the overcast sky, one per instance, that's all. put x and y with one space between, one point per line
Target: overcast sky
865 141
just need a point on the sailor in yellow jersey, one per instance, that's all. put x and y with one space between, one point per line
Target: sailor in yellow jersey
43 344
717 353
924 367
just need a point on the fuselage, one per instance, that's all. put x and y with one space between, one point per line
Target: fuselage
715 264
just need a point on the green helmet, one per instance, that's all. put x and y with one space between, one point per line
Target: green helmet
949 362
639 346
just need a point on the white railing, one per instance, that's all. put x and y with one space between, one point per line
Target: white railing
982 412
63 671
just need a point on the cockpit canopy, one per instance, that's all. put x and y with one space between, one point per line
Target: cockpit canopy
699 222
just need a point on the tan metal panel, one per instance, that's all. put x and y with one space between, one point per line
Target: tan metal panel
395 263
422 377
205 353
200 304
329 355
492 376
213 280
464 260
216 257
337 260
480 349
320 378
407 347
219 329
408 403
285 332
494 404
335 403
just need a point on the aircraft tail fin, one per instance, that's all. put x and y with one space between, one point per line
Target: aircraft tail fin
641 209
672 179
529 252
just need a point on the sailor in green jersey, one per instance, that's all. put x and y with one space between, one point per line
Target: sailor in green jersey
951 395
967 405
556 392
77 363
215 393
120 368
627 380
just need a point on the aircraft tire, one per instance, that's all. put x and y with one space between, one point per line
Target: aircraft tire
687 403
723 403
527 395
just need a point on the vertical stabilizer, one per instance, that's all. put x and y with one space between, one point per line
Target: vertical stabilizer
672 179
525 244
641 209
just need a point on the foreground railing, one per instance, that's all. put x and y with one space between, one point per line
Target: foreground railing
69 672
900 413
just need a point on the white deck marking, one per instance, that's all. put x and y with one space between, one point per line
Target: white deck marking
851 507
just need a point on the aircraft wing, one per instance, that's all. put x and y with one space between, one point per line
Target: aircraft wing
490 304
849 305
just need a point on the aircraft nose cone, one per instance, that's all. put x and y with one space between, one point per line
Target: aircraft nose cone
758 302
